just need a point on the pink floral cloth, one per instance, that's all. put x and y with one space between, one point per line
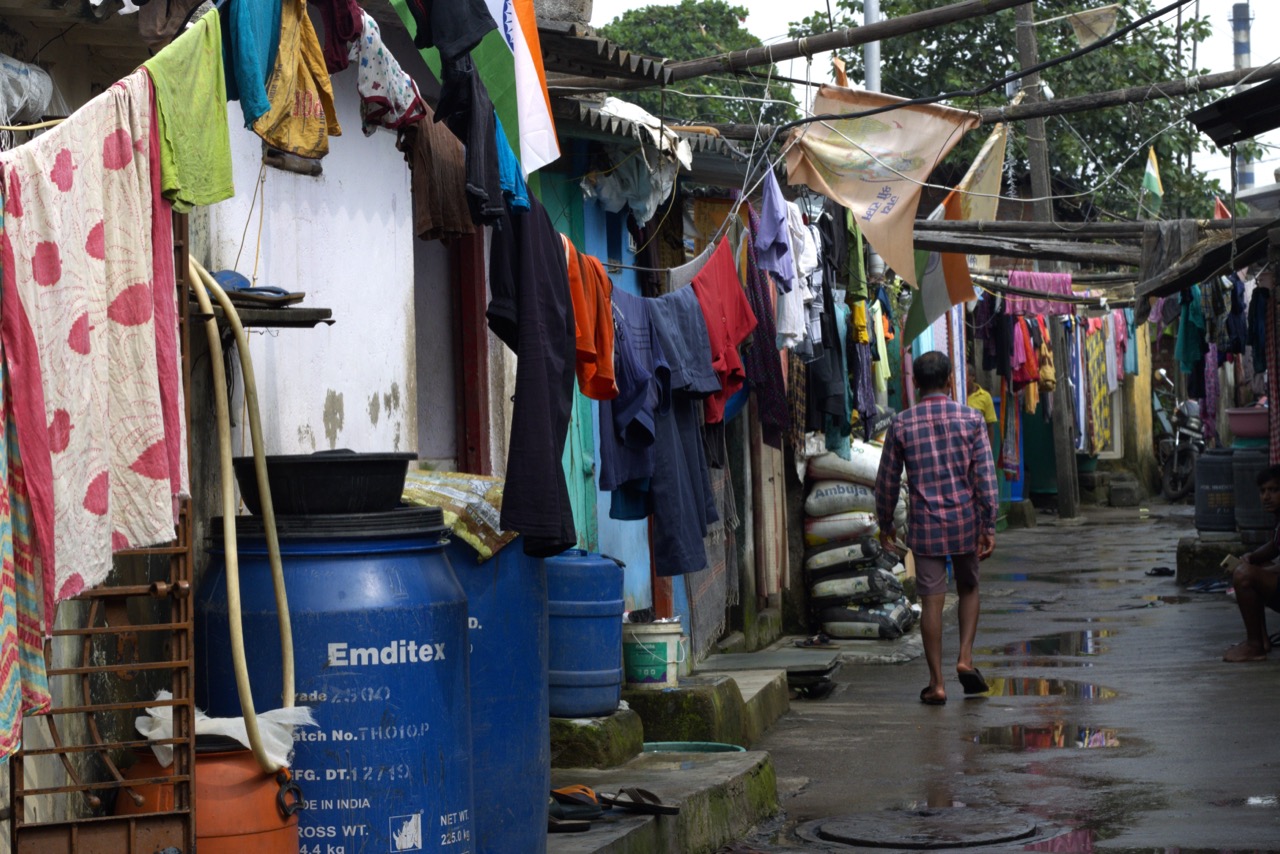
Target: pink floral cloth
78 319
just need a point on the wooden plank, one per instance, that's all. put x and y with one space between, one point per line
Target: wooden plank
1044 250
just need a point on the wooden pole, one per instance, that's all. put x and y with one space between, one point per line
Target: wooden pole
808 46
1064 451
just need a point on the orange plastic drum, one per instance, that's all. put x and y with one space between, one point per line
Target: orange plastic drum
238 807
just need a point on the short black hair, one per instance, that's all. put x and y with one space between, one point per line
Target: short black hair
932 371
1268 474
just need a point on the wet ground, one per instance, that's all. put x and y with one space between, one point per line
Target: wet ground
1112 724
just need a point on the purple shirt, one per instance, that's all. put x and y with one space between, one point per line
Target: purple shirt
950 476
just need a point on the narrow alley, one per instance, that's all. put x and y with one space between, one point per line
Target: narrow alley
1112 725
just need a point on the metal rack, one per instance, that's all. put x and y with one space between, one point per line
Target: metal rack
137 627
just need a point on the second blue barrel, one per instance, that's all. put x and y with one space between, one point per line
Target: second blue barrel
381 657
510 729
585 607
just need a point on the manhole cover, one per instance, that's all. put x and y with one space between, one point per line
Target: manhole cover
922 830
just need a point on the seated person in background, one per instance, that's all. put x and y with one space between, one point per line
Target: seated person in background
980 399
1257 579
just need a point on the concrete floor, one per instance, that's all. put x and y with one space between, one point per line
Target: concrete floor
1114 724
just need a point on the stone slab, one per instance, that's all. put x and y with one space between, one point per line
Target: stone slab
1125 494
778 657
596 742
721 797
1198 558
705 707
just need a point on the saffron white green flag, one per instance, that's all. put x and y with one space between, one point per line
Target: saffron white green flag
1151 182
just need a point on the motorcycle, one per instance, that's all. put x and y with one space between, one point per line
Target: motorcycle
1182 439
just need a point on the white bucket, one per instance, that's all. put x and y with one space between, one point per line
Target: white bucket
652 654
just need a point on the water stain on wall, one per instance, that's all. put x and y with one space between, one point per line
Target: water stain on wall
306 437
333 417
375 408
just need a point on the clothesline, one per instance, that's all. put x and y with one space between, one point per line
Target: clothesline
989 284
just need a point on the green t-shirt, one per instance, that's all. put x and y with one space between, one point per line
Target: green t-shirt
191 111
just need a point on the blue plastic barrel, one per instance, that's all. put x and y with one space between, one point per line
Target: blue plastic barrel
510 728
381 657
584 593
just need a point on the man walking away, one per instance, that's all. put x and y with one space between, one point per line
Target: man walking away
952 511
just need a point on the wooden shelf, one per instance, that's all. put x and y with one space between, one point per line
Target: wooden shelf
289 317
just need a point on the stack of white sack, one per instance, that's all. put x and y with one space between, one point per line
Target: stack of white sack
841 502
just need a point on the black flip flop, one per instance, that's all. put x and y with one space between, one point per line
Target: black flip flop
972 681
639 800
558 823
931 701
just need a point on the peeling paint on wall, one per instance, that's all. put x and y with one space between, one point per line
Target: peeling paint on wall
333 417
307 436
396 444
375 409
391 400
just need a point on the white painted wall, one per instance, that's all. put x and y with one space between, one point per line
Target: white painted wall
345 238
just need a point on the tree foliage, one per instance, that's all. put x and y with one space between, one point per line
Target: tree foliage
1085 148
693 30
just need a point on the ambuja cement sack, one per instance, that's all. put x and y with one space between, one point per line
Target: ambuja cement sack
861 467
885 622
839 528
856 587
841 556
827 497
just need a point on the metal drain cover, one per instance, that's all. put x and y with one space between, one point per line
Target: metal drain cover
922 829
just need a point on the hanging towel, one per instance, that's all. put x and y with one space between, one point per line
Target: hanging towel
388 96
80 340
195 144
301 117
1045 283
164 288
24 687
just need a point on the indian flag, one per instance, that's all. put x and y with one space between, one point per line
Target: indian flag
509 60
1151 182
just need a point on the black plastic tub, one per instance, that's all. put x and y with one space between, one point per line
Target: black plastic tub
326 482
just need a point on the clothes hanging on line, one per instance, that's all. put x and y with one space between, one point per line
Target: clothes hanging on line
762 362
250 44
590 292
388 96
342 22
80 337
190 104
466 110
1049 284
437 179
301 116
729 320
532 313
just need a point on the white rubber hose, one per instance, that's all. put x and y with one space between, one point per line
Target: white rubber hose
202 284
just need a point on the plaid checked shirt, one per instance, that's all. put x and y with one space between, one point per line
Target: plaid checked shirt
950 476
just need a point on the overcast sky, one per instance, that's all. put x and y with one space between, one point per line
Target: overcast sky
769 19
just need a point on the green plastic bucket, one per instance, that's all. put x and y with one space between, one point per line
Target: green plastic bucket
691 747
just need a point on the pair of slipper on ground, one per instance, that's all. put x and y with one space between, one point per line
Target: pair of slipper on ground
572 808
970 680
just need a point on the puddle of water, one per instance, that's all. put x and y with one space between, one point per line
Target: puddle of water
1081 619
1264 801
1039 662
1008 686
1052 736
1084 642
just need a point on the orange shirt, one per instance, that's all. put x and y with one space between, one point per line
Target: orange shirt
591 293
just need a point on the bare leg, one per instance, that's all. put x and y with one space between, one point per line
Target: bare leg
969 610
931 634
1253 586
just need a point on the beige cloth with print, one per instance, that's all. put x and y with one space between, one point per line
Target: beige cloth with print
302 116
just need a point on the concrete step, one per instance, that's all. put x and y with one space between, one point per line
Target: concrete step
721 797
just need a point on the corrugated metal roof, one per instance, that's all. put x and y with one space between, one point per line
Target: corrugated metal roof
1241 116
569 48
581 119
